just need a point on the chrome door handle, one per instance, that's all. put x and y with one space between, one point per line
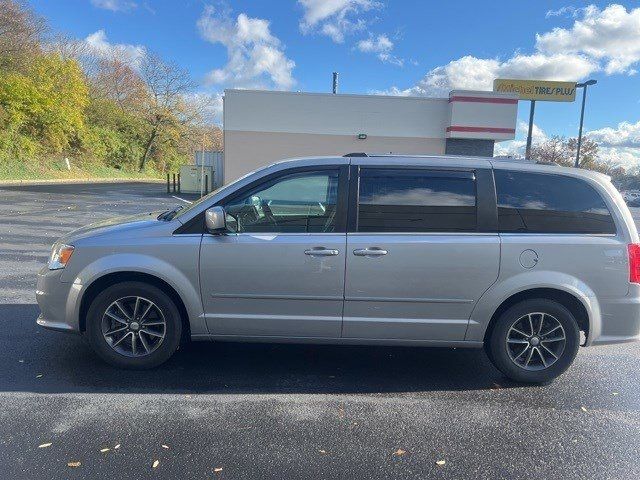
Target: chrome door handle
369 252
321 252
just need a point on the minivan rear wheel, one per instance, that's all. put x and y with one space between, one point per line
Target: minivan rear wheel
534 341
133 325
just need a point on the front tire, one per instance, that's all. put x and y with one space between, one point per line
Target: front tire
534 341
134 325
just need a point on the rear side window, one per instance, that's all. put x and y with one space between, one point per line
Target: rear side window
542 203
416 200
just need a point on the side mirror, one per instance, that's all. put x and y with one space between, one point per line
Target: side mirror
215 220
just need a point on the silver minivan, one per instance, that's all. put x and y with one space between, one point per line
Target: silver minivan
529 261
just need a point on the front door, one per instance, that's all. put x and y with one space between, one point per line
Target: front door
417 262
280 271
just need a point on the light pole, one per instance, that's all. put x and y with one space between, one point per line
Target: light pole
584 98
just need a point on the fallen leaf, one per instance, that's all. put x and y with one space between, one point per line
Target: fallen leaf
217 469
104 450
73 464
45 445
584 409
155 463
117 447
399 452
165 446
440 463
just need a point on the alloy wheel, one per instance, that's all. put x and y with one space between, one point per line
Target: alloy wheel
133 326
535 341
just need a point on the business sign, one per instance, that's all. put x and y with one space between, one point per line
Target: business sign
537 89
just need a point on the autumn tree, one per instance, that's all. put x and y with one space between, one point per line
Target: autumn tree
21 32
553 150
164 109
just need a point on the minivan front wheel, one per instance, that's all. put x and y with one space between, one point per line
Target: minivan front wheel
534 341
134 325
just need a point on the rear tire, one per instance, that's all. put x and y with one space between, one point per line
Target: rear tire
134 325
534 341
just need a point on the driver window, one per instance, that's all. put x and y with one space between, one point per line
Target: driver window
295 203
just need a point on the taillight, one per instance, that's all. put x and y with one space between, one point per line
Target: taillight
634 262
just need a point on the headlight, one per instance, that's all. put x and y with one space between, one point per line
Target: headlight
60 256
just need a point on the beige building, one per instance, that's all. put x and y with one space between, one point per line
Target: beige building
261 127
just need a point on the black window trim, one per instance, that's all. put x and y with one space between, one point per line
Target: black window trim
554 174
197 225
486 207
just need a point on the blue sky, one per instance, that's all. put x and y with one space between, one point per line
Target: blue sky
393 47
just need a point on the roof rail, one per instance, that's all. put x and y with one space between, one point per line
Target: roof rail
356 154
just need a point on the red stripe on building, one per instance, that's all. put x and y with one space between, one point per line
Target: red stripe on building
458 98
457 128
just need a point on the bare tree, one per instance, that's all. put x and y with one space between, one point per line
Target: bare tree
117 80
166 84
553 150
21 31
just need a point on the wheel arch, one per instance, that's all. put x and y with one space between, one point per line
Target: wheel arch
570 301
113 278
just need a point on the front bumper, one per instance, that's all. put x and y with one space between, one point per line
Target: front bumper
55 300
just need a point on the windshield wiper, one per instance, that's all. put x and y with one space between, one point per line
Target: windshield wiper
169 214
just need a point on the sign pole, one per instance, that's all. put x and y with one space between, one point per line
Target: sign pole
527 154
202 169
584 98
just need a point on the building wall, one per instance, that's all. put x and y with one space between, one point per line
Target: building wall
251 150
262 127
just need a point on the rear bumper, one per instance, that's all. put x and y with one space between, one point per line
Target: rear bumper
619 321
55 300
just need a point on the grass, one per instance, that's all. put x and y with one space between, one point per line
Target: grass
55 169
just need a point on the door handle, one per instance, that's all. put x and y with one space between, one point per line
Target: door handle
321 252
369 252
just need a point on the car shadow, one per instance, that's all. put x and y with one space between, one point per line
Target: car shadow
42 361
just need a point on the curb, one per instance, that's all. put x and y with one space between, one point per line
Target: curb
18 183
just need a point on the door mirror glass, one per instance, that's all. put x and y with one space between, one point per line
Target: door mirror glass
215 220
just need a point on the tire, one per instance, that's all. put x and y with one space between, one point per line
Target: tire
511 335
157 335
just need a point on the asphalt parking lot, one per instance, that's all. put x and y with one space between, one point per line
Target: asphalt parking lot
282 411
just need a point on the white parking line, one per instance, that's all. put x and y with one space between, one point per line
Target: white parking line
182 199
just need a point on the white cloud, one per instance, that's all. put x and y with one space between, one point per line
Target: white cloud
382 47
335 18
562 11
98 45
606 39
628 158
617 145
478 73
254 54
114 5
379 44
611 35
626 134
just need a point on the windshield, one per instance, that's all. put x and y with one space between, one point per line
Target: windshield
181 210
178 212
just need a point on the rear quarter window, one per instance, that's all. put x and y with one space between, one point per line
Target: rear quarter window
548 203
